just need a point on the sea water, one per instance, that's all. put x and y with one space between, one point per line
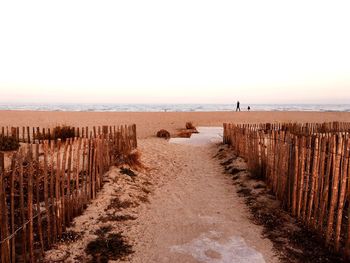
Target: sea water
172 107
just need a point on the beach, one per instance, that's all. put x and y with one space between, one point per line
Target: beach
148 123
181 205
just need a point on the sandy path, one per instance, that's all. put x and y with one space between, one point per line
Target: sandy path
195 216
189 213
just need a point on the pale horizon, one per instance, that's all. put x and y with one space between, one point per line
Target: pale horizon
160 52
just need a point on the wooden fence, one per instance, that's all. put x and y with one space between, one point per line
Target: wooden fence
307 167
45 185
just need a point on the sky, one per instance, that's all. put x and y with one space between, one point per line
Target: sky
175 51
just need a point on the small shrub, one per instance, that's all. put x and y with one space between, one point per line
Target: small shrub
163 134
8 143
190 126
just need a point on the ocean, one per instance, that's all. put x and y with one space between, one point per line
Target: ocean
173 107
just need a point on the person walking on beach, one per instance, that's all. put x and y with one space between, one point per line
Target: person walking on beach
238 107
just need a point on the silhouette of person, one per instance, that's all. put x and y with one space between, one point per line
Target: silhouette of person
248 108
238 107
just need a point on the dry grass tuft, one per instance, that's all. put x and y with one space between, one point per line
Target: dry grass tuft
133 159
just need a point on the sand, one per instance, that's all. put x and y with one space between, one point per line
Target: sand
148 123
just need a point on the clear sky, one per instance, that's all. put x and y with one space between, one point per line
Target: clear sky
175 51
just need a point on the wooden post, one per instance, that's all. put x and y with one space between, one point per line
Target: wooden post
63 180
90 158
30 204
38 133
12 201
57 190
78 191
295 175
327 180
43 135
52 191
318 200
23 134
28 134
301 177
347 244
93 169
135 135
343 184
308 175
69 172
335 182
49 134
313 180
84 172
46 192
2 162
33 132
37 175
5 246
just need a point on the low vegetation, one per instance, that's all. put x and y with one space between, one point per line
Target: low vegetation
188 131
63 132
8 143
190 126
108 246
132 159
163 134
